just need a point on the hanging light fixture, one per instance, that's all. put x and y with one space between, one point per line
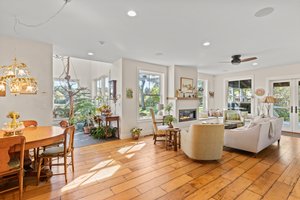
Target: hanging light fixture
17 77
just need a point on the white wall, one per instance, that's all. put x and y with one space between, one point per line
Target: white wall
260 76
130 106
86 71
38 56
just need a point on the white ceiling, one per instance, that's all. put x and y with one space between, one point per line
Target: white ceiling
176 28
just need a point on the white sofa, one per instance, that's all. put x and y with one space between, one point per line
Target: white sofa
256 138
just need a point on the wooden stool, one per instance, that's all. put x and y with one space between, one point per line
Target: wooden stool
173 138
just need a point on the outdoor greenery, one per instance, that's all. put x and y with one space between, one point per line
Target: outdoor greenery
84 109
150 94
282 106
201 96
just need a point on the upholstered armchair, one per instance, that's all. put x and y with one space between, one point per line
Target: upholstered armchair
203 141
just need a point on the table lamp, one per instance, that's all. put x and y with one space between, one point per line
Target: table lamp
269 100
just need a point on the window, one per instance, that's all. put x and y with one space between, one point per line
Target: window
102 86
239 95
61 98
149 93
202 95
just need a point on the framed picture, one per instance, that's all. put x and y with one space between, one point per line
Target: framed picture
186 84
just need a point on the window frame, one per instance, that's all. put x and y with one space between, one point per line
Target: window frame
205 94
103 85
239 78
150 72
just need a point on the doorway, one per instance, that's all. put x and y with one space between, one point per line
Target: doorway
287 93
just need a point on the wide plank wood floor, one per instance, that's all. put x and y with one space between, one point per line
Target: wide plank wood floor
128 169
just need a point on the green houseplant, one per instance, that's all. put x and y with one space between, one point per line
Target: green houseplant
135 133
85 111
169 119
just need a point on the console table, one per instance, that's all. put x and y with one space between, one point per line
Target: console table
108 120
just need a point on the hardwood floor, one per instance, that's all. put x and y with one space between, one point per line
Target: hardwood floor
129 169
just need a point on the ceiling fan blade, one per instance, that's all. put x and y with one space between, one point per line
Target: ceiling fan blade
248 59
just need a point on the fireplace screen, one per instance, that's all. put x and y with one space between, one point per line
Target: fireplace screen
187 115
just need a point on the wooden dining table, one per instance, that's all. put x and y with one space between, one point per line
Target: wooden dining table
39 136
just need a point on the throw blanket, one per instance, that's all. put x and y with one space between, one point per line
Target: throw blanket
272 129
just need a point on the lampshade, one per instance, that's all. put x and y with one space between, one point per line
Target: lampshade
17 77
269 99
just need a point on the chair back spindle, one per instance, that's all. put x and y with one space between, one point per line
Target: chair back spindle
69 139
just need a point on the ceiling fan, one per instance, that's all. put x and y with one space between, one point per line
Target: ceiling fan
236 59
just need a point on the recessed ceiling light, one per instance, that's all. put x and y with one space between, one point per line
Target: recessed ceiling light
206 44
255 64
101 43
131 13
90 53
159 54
264 12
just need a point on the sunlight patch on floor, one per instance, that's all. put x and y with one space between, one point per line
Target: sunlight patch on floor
97 173
101 165
132 148
130 155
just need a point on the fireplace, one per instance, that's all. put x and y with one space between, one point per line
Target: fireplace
187 115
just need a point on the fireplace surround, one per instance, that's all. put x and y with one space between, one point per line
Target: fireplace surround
187 115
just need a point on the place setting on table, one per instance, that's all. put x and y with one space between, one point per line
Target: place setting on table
38 142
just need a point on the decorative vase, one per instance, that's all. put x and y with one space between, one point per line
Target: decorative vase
170 125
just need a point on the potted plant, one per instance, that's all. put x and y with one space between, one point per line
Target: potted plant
104 110
135 133
169 119
85 111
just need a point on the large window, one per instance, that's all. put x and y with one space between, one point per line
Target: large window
61 98
102 86
202 95
239 95
149 93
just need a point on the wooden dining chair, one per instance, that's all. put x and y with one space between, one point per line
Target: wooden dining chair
32 123
159 130
12 163
63 123
65 151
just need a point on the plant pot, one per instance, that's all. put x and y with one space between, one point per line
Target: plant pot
171 125
86 129
135 136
